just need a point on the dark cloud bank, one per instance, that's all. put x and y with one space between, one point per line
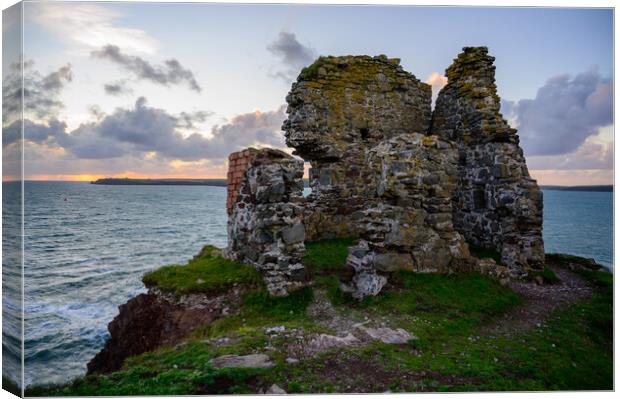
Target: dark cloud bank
292 54
171 72
40 91
145 129
564 113
118 88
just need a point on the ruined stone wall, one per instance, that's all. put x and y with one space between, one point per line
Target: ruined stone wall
265 228
238 163
411 226
496 204
338 109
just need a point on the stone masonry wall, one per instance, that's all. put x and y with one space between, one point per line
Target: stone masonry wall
266 228
238 163
496 204
338 109
414 189
411 227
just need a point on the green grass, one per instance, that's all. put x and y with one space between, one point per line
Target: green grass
168 371
206 274
327 256
548 276
312 71
448 314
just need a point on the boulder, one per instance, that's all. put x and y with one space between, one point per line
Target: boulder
250 361
388 335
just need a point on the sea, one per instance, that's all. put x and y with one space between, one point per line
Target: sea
87 247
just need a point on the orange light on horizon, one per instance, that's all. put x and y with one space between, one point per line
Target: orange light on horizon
129 175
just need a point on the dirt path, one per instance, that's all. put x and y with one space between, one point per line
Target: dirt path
539 302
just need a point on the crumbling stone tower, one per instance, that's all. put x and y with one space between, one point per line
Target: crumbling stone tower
496 204
338 109
265 226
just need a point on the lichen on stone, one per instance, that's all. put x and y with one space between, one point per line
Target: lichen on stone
415 187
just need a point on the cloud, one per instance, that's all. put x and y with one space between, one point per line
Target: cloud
91 25
574 177
596 152
172 72
40 92
190 120
565 112
144 130
292 54
437 82
34 132
117 88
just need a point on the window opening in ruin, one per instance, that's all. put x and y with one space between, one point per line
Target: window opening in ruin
364 133
307 187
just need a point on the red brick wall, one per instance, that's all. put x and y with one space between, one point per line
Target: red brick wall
238 163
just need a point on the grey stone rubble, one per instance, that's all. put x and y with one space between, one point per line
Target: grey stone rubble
275 390
388 335
414 186
258 360
265 228
323 342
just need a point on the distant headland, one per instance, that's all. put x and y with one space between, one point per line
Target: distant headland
160 182
601 188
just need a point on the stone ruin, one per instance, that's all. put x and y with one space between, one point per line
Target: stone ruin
265 226
414 186
339 108
497 205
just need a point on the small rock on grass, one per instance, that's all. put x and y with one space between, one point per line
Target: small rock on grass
253 361
326 341
388 335
275 390
275 330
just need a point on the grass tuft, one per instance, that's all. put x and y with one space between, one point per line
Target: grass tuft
209 275
327 256
282 308
548 276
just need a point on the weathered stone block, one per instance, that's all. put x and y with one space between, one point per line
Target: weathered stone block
265 227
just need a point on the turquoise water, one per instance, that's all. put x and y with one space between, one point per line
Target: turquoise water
579 223
87 247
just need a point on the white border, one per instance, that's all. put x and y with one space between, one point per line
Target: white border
477 3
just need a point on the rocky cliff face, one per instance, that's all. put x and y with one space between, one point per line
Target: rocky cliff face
496 204
151 320
338 109
266 226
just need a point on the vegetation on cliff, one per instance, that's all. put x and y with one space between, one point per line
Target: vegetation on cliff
470 334
205 273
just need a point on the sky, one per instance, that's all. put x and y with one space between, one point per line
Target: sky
169 90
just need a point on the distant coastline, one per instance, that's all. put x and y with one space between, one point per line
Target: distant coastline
160 182
603 188
222 183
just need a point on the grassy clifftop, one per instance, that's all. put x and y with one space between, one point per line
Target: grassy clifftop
469 334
